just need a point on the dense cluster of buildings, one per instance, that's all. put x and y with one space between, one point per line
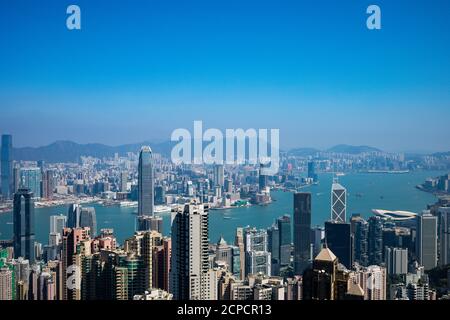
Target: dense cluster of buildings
382 257
439 185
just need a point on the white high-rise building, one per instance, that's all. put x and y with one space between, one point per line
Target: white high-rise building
372 280
190 275
146 183
57 223
338 202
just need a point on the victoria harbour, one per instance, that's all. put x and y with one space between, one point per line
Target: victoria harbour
366 191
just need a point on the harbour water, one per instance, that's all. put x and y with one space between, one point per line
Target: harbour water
366 191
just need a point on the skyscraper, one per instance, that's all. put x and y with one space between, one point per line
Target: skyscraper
263 177
224 254
312 171
273 235
338 239
146 183
15 178
302 232
6 284
31 178
444 235
145 245
284 226
372 280
396 260
23 220
73 215
219 175
375 240
88 218
427 240
257 255
317 238
6 166
57 223
124 181
319 281
190 276
338 202
239 243
48 184
147 223
360 229
160 195
71 237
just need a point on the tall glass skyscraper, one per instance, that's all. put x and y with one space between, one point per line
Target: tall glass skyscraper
273 239
302 232
312 171
338 202
284 225
73 215
30 178
6 166
219 174
146 183
375 240
88 219
338 239
23 220
361 240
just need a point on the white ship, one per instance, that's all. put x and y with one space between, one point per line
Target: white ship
162 209
128 204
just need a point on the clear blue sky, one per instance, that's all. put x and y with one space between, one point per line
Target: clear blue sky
139 69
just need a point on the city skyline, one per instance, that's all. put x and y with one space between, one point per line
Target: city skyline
310 70
226 151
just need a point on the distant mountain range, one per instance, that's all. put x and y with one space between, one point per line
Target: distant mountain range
68 151
345 148
442 154
341 148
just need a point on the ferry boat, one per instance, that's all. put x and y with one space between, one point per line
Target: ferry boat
128 204
162 209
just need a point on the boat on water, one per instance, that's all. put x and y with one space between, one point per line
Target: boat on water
227 218
158 210
128 204
162 209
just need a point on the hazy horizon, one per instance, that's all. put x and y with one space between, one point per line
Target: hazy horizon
154 142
